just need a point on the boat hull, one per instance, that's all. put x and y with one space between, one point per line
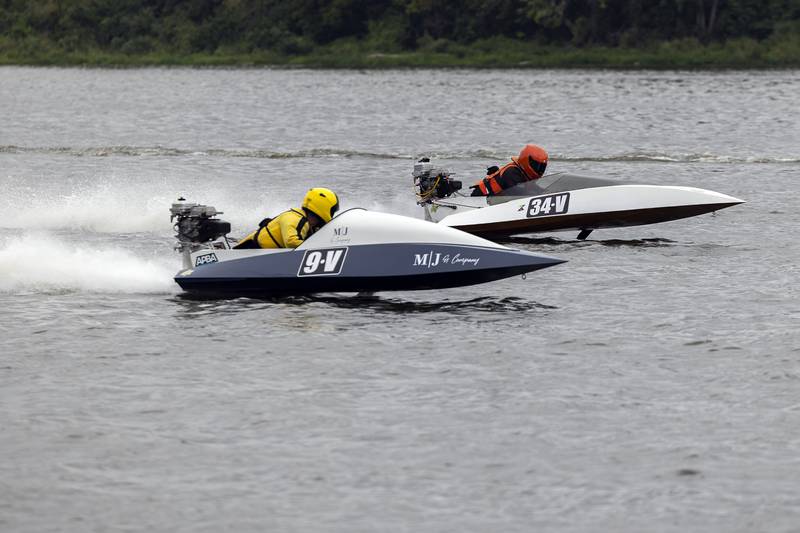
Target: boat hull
358 268
605 205
586 221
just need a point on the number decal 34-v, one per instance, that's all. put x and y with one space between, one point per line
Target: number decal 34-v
323 262
552 204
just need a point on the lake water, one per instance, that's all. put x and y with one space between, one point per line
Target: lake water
652 383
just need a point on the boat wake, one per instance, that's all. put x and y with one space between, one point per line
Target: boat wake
330 152
35 263
375 303
553 241
459 307
645 243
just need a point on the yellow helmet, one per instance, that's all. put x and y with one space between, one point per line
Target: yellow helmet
322 202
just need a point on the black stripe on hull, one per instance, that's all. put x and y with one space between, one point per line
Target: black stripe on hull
611 219
298 286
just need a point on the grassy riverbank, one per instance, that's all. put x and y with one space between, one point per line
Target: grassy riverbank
777 52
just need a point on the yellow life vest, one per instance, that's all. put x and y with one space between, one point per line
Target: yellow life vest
287 230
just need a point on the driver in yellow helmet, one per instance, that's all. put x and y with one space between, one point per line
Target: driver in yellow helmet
292 227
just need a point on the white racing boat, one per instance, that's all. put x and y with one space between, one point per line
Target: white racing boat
558 202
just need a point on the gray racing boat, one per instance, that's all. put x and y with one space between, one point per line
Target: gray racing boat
357 251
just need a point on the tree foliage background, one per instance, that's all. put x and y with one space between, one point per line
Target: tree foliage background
297 26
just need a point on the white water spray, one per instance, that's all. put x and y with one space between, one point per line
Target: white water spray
118 210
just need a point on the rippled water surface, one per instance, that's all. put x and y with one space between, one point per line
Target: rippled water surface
652 383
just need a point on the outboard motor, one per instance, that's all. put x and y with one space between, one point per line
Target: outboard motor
433 182
196 227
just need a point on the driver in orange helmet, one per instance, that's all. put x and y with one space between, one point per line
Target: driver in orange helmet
530 165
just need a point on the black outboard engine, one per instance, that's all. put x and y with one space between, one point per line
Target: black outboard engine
196 225
433 182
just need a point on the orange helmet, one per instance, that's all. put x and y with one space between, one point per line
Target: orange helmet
533 160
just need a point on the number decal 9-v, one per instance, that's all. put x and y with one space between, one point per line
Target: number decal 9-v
323 262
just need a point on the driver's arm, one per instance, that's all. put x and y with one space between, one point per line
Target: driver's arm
294 231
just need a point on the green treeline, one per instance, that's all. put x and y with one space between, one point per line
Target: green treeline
657 33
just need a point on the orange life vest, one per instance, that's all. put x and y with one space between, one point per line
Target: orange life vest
490 183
